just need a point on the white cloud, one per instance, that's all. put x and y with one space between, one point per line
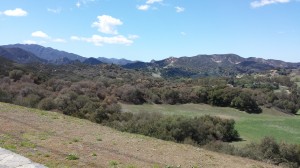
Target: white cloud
153 1
100 40
15 12
39 34
78 4
261 3
75 38
143 7
179 9
29 42
83 2
183 33
107 24
59 40
57 10
133 36
148 5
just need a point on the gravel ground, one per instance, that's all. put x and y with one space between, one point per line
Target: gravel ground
9 159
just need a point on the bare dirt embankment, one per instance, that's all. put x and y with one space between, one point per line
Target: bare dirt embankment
48 138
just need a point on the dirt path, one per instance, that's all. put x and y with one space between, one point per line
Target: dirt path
9 159
56 140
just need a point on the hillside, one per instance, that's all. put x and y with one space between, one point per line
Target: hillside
275 123
20 56
49 137
121 61
210 65
61 57
46 53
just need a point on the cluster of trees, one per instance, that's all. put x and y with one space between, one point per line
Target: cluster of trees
268 150
80 89
198 130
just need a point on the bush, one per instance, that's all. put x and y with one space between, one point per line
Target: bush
5 96
268 150
16 74
72 157
46 104
199 130
30 100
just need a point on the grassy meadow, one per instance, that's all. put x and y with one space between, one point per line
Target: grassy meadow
252 127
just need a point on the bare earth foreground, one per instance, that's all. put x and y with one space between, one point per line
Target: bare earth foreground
49 138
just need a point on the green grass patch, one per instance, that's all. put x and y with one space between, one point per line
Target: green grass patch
252 127
72 157
27 144
10 147
113 163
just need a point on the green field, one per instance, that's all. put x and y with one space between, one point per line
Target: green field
252 127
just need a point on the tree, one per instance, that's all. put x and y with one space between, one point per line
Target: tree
16 74
245 102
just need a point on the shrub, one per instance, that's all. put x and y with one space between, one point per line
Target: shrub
30 100
199 130
5 96
268 150
15 74
72 157
46 104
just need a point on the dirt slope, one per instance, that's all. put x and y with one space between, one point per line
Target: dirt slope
48 138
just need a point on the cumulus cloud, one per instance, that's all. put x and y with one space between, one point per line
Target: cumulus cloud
45 36
39 34
16 12
261 3
100 40
143 7
107 24
179 9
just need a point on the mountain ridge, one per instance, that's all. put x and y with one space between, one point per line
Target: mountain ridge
210 65
46 53
20 56
195 66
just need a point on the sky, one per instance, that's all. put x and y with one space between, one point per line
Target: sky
156 29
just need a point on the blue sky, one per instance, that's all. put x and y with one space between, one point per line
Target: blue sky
156 29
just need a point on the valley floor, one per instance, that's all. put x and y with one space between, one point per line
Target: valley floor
251 127
56 140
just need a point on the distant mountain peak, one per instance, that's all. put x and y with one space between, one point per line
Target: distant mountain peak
20 56
47 53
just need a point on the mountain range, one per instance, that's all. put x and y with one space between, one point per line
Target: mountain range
196 66
210 65
50 55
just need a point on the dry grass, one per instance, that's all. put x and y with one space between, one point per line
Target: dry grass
61 141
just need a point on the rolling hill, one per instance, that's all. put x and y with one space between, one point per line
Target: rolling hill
51 139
